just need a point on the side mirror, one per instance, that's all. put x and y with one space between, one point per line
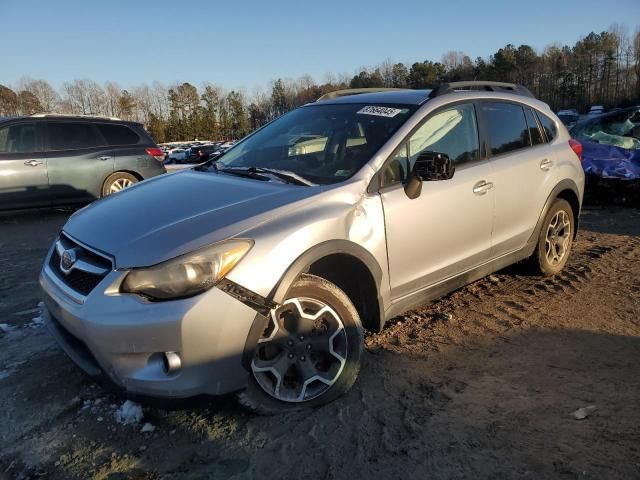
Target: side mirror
432 166
429 166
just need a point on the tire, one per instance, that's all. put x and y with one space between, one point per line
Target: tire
320 359
555 239
116 182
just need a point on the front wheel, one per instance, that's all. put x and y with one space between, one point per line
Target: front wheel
309 354
554 241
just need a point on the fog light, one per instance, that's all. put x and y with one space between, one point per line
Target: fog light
171 363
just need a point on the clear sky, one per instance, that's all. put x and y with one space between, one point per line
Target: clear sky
244 43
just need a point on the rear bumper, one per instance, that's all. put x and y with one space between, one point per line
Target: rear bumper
124 338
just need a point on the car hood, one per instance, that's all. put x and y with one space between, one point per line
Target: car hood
174 214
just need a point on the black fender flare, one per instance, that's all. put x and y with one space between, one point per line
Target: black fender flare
315 253
566 184
301 265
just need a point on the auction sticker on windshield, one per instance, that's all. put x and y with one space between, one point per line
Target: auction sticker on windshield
379 111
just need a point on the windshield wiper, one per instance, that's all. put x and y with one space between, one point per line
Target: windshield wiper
286 175
242 172
255 173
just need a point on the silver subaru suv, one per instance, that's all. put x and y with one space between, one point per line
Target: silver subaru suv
257 274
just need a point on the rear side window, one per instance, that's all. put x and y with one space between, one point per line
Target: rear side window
507 127
549 126
18 138
118 134
71 136
534 131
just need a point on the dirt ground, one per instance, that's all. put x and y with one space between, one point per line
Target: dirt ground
480 384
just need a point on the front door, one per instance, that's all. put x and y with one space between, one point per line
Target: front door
447 229
23 168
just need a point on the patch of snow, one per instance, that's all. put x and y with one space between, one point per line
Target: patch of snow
5 374
147 428
5 327
128 413
39 320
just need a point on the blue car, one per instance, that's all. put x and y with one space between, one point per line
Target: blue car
611 145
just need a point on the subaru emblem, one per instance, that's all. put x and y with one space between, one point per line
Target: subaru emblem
67 260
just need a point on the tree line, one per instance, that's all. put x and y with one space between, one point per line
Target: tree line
601 68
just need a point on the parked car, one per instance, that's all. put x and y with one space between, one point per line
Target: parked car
53 160
611 144
200 153
569 117
176 155
263 283
595 111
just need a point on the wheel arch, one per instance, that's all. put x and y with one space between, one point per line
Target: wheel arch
567 190
350 267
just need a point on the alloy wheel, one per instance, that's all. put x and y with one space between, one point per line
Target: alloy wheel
120 184
302 351
558 237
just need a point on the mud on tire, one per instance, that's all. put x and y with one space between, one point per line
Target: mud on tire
555 239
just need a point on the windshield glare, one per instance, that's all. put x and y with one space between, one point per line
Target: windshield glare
322 143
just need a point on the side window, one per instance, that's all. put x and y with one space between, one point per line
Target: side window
118 134
18 138
72 136
507 127
549 126
453 132
534 131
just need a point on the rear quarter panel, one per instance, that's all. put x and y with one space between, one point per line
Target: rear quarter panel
137 161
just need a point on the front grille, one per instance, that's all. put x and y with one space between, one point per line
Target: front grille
77 279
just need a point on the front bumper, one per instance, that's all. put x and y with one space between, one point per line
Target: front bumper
124 337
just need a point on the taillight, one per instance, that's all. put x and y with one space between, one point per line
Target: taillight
155 153
576 146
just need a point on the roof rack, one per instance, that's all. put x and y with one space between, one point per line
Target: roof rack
452 87
71 115
354 91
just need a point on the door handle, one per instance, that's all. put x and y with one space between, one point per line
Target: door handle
482 187
104 158
33 163
546 164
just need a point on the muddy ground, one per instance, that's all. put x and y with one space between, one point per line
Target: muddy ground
480 384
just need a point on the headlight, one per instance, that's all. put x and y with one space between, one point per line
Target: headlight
186 275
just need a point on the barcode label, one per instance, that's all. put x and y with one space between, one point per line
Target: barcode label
379 111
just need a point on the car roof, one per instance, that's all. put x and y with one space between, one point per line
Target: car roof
75 118
400 97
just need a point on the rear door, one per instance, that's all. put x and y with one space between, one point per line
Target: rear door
523 172
78 161
23 167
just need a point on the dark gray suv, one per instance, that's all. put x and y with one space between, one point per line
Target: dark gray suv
54 160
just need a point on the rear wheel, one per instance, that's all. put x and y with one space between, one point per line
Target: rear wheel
554 241
309 354
117 182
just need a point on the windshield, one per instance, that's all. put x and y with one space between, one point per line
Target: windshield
323 144
621 129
